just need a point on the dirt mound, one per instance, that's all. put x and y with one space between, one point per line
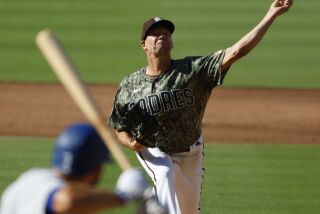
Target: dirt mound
232 115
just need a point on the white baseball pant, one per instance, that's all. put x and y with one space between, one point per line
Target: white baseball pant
177 177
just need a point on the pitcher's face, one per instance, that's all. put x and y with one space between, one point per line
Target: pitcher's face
158 41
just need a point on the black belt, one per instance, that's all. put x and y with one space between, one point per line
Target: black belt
186 149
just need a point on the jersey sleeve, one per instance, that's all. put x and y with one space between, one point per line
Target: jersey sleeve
209 69
119 109
116 113
50 201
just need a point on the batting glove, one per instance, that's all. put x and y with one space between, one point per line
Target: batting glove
131 185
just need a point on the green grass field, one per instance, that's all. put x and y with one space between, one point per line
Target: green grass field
102 38
239 178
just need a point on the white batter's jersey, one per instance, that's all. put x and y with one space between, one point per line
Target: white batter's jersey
29 193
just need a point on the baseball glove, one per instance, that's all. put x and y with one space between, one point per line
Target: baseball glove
143 126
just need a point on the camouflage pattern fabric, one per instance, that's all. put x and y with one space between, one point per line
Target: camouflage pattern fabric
177 98
142 126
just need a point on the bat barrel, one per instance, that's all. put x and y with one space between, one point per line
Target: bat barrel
65 70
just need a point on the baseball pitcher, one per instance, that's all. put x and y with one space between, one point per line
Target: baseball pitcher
158 109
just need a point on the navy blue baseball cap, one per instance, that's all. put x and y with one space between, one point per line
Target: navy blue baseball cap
78 150
147 25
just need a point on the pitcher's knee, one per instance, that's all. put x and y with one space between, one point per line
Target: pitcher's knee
166 172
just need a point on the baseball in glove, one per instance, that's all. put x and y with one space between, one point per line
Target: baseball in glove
142 125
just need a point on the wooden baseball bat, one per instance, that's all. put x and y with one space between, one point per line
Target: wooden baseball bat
53 51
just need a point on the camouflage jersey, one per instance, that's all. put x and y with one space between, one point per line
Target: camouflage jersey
177 98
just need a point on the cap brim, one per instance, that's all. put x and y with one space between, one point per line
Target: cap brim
166 23
169 25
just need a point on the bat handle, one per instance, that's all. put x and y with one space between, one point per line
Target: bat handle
114 148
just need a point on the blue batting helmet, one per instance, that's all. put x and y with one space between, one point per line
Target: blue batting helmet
78 150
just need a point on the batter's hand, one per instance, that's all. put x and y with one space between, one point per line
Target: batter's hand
149 204
131 184
279 7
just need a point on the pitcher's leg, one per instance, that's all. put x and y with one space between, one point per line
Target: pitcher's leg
160 168
189 176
